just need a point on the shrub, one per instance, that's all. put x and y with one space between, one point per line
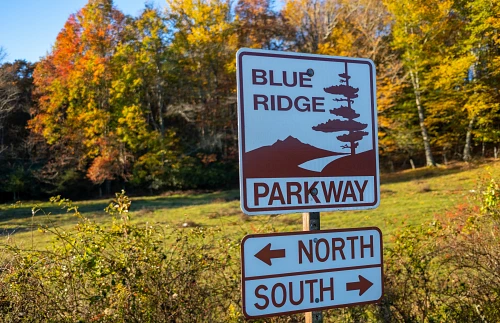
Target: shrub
490 198
121 273
444 271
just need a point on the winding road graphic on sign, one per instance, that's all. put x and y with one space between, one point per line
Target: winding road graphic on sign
318 164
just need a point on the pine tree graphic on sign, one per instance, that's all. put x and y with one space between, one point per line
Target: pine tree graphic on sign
353 127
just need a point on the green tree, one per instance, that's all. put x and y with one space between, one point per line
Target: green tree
16 152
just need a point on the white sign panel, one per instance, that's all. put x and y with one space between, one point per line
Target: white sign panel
284 273
307 132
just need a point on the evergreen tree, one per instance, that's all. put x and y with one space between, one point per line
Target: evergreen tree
353 127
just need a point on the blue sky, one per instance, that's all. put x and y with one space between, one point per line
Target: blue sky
28 28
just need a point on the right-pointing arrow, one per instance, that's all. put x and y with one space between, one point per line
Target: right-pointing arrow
363 285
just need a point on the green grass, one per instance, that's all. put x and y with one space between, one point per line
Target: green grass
407 198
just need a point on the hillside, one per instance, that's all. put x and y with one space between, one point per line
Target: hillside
409 197
179 248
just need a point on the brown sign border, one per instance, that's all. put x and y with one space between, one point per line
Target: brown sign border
243 278
241 110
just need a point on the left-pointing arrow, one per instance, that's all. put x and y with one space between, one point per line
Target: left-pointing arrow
266 254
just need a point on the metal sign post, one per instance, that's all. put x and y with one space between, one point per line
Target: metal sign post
311 222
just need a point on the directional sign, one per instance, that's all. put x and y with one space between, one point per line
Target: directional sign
284 273
307 132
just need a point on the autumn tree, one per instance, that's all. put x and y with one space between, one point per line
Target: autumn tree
258 26
145 70
479 50
74 80
462 100
448 91
146 89
204 45
115 93
312 23
365 31
416 26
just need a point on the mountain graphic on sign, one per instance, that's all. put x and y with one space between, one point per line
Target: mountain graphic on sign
282 159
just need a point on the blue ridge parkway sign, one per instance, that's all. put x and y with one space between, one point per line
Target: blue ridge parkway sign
307 124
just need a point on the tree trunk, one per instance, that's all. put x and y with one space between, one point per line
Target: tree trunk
108 186
495 152
468 140
429 159
467 156
160 108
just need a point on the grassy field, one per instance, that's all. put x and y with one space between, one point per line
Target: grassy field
408 197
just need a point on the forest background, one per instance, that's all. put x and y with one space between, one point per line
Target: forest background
148 103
